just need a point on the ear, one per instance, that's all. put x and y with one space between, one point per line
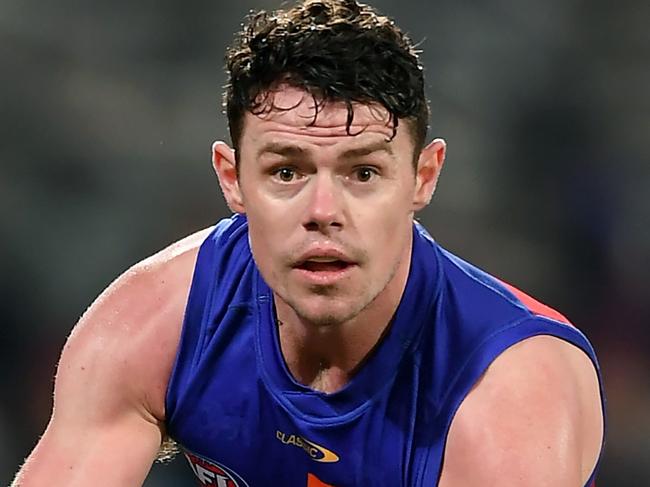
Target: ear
430 164
224 163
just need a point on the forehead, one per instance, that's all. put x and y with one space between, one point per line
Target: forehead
289 113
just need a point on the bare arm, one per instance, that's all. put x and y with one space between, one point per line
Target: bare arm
107 421
533 419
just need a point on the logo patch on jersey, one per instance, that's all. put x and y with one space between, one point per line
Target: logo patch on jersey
316 452
313 481
213 473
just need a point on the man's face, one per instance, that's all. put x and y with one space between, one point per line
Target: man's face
330 214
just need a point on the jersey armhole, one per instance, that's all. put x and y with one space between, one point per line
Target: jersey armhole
493 346
215 250
192 329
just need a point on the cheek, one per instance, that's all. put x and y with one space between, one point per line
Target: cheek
387 220
386 238
262 244
268 242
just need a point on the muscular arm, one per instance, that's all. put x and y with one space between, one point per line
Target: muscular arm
107 421
533 419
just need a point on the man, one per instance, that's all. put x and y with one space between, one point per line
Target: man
319 336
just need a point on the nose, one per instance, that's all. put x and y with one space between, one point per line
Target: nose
324 207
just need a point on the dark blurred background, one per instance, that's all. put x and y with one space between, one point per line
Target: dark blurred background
108 110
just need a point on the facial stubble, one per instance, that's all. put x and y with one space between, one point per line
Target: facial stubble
334 291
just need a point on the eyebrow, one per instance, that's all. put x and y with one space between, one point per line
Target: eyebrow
379 146
292 150
282 149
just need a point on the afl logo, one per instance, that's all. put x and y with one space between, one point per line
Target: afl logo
213 473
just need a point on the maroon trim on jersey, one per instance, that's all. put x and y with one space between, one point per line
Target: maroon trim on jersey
539 309
535 306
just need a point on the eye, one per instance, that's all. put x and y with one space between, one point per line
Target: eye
285 174
365 174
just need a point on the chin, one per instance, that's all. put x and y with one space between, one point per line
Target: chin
327 312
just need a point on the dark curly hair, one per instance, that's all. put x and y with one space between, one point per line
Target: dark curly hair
335 50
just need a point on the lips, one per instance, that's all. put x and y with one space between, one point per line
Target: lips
323 266
325 256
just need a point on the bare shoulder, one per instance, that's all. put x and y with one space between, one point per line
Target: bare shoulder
534 418
112 377
129 335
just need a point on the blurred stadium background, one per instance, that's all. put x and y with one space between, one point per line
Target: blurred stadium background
108 110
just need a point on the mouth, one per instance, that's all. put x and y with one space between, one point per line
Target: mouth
323 266
323 270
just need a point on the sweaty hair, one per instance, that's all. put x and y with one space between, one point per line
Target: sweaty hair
335 50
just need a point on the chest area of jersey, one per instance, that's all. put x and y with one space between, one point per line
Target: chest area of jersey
236 432
260 443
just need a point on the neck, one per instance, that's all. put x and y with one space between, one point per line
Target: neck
326 357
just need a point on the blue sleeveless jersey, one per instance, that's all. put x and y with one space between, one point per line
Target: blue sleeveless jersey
242 420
